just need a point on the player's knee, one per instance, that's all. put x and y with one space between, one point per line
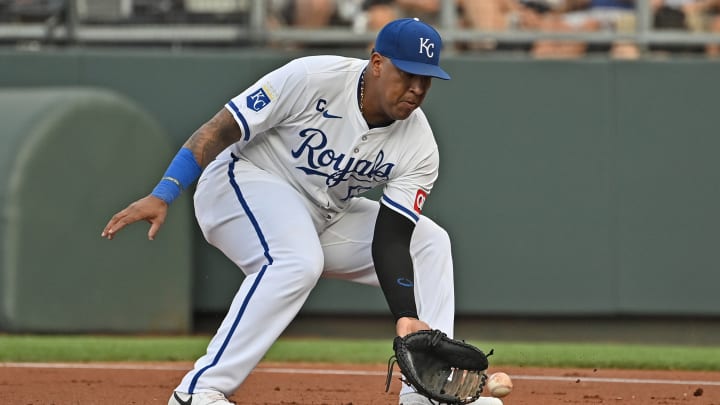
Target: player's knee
441 238
431 235
308 268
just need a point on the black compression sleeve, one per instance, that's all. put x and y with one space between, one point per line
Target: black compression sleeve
393 265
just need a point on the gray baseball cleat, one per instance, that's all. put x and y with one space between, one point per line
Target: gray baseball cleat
413 398
200 398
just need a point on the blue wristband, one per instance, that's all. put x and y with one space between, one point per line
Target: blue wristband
181 173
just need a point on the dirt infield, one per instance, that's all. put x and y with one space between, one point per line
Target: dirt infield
332 384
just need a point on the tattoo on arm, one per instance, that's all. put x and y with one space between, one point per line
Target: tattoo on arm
212 137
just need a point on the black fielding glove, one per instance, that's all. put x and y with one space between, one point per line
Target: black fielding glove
443 369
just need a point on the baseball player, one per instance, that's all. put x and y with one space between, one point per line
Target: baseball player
281 171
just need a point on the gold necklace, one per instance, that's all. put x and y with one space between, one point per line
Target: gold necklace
362 91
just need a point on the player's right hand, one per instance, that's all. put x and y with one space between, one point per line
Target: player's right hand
150 209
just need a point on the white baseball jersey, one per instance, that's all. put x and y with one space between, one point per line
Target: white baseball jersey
302 122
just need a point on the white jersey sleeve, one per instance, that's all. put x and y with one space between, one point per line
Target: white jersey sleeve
407 194
269 101
407 191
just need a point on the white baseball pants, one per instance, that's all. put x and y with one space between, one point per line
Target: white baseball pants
284 244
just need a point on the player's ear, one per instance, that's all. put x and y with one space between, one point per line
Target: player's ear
376 61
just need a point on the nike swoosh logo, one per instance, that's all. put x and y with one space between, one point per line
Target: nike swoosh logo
180 401
326 114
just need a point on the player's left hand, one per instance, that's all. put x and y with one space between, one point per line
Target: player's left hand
443 369
149 208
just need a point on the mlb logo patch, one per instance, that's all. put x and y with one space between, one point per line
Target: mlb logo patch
258 100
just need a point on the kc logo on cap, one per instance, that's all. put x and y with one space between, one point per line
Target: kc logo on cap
413 47
426 47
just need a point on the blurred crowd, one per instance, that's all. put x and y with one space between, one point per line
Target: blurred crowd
578 16
489 16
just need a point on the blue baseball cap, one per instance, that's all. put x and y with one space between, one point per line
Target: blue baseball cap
412 46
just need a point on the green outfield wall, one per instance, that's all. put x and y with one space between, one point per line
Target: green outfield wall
69 157
568 187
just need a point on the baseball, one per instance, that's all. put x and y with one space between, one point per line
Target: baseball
499 384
